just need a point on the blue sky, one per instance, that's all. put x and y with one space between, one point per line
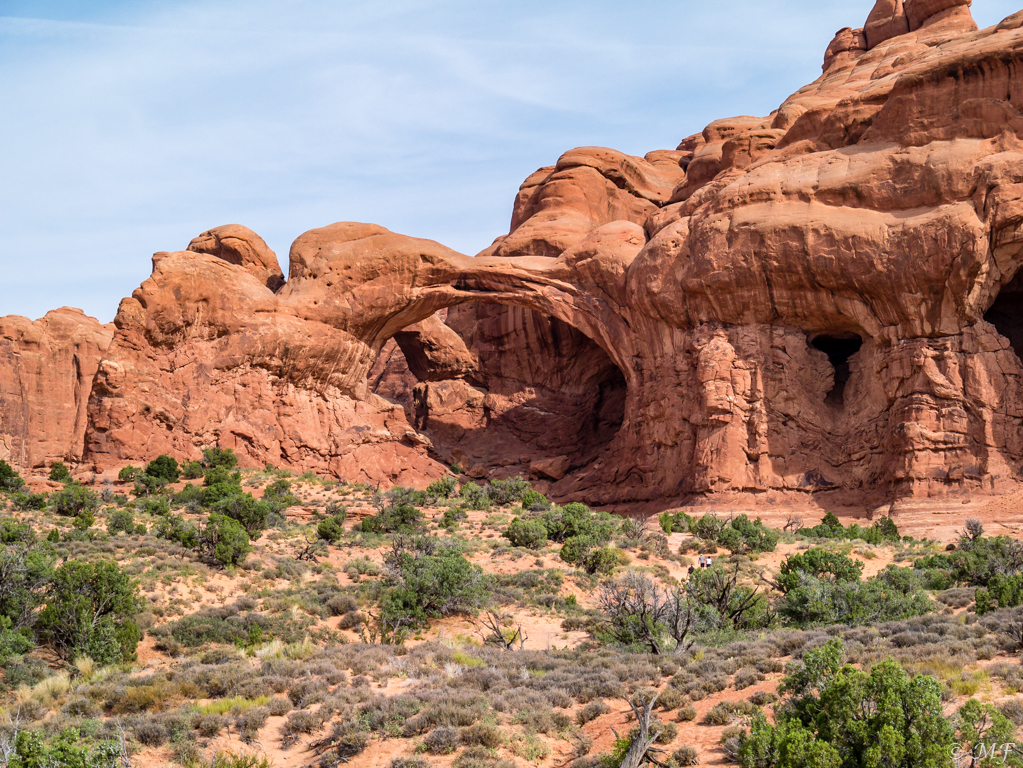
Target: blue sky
130 127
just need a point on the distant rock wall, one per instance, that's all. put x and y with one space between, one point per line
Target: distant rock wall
826 300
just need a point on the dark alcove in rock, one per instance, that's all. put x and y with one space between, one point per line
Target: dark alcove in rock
839 348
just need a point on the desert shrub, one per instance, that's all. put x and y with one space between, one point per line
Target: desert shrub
121 520
686 713
526 533
253 514
475 496
430 580
442 740
218 475
59 472
176 528
685 756
409 761
351 620
278 706
73 500
12 642
563 523
222 540
481 735
67 749
339 605
1002 591
153 505
301 721
330 529
820 564
278 495
223 458
13 532
744 536
534 501
763 698
836 713
894 594
509 491
29 501
400 518
1012 709
670 523
882 531
128 473
708 527
164 467
147 485
746 677
726 712
443 488
209 726
90 611
192 470
592 711
10 480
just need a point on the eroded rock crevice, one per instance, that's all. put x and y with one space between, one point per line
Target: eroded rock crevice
1006 314
539 398
839 348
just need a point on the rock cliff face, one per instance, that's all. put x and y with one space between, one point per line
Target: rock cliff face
827 299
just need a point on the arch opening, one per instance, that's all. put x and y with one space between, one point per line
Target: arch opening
839 348
504 389
1006 314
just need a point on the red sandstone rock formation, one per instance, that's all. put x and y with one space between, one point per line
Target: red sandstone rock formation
827 299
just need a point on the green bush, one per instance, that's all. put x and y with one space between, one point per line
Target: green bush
29 501
219 457
59 472
128 473
279 496
192 470
744 536
508 491
534 501
217 492
13 532
12 642
66 750
820 564
223 540
153 505
838 716
9 479
121 520
431 580
165 468
475 496
89 611
402 518
147 485
443 488
1006 591
892 595
73 500
176 528
331 529
253 514
563 523
672 523
530 534
708 527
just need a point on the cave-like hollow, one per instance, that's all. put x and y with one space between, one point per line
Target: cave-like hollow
839 348
506 388
1006 314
